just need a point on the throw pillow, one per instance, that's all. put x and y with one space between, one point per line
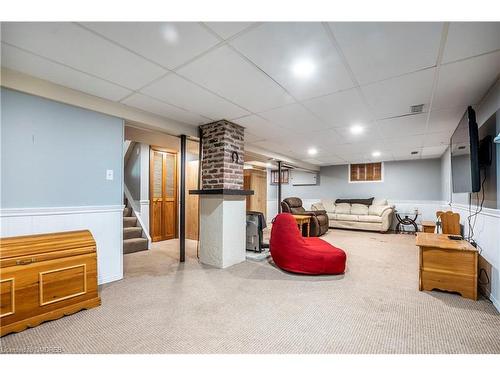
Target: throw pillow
328 204
367 202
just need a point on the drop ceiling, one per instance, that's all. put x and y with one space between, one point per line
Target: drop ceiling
366 74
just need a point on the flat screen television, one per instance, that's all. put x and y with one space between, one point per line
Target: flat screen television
465 171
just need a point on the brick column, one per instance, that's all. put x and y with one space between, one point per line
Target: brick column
222 198
222 158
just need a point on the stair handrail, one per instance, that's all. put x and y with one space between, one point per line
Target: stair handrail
133 206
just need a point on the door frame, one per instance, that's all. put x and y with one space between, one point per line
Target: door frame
153 148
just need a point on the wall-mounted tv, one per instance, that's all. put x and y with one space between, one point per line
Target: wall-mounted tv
465 171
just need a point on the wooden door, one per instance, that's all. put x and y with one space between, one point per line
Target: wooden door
163 194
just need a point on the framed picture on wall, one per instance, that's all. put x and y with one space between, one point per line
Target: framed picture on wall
284 176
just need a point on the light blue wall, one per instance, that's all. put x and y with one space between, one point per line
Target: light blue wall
56 155
403 180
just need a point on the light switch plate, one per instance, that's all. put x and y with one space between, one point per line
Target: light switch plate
109 174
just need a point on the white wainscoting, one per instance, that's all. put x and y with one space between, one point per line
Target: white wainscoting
104 222
487 235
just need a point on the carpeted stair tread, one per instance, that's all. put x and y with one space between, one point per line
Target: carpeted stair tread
129 221
132 232
132 245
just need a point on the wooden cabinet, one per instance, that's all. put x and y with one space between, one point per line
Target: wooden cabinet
447 265
44 277
256 180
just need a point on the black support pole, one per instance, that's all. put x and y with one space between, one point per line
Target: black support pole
182 213
279 186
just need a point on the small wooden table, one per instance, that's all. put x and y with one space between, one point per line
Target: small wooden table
303 220
428 226
447 264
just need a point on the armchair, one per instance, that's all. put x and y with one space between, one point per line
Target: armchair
319 219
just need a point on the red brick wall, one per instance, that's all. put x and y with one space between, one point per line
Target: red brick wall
218 170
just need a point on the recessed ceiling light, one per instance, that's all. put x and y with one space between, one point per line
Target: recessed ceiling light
170 33
312 151
303 68
376 154
357 129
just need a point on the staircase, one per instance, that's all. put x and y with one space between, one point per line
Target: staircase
132 233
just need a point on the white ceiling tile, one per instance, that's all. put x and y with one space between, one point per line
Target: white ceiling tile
394 96
370 132
437 139
227 29
445 119
81 49
178 91
331 160
163 109
225 72
436 151
33 65
379 50
407 155
404 126
250 137
466 82
169 44
313 161
466 39
272 146
325 139
402 144
294 117
340 109
277 46
257 125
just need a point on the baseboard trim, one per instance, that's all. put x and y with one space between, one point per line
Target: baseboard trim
42 211
109 279
495 302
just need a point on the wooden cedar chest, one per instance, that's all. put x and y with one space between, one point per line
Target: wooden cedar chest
44 277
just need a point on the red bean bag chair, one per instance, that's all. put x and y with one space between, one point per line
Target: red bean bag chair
306 255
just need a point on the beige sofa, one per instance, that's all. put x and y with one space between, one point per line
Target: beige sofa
376 217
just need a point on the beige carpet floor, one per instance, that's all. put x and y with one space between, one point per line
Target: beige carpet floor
162 306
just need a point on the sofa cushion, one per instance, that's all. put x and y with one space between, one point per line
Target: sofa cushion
379 202
346 217
367 201
359 209
342 208
328 204
377 210
331 215
370 218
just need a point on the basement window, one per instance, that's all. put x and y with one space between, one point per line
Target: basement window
366 172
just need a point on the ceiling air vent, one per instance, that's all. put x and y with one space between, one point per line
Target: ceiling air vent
414 152
419 108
